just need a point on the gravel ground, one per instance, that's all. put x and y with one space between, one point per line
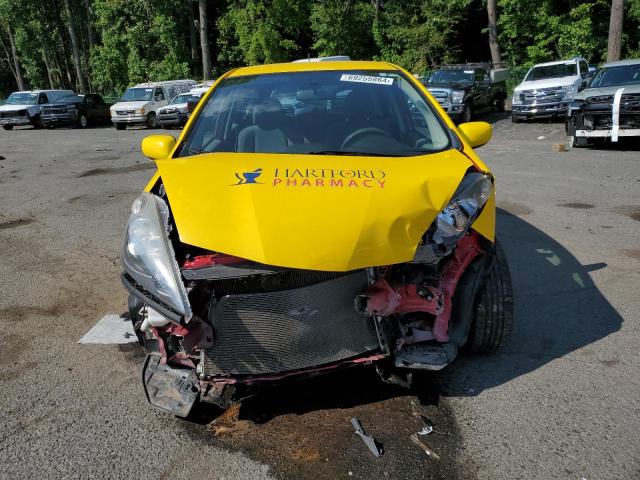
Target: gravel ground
558 402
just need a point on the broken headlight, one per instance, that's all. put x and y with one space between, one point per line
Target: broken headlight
147 254
465 205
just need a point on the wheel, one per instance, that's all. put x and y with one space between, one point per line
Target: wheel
36 122
493 316
152 121
467 113
119 126
7 127
514 119
50 126
500 105
83 121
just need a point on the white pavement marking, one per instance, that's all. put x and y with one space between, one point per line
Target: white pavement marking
111 329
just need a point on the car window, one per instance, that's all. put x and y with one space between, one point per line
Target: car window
619 75
584 68
460 77
552 71
137 94
362 113
68 99
43 99
158 95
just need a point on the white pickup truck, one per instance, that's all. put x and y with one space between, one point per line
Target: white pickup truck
548 88
23 108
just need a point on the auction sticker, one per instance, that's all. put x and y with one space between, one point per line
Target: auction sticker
349 77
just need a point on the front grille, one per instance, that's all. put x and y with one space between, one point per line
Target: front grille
288 330
124 112
14 114
55 111
442 96
543 95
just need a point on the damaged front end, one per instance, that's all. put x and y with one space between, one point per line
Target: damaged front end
604 116
217 326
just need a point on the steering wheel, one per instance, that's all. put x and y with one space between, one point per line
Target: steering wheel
361 132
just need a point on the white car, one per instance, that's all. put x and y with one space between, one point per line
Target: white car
140 104
23 108
548 88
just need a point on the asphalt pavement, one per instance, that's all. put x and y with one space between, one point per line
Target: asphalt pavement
558 402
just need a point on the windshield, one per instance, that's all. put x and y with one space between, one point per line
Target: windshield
22 99
613 76
461 77
182 98
321 112
69 99
137 95
552 71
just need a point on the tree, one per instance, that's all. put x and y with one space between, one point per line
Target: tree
75 47
615 30
204 40
496 58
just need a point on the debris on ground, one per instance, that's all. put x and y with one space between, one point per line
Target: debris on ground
414 438
541 137
427 425
559 147
368 440
228 423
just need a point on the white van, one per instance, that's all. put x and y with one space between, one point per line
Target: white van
23 108
140 104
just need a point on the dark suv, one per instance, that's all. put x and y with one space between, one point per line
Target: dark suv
80 110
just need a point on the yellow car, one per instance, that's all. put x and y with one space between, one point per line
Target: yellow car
312 216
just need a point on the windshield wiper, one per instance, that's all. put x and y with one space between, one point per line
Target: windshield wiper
352 153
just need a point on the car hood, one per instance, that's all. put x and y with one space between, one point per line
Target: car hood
128 105
547 83
13 108
332 213
173 105
596 92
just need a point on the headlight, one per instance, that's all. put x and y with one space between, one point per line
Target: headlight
183 110
456 218
457 96
139 112
147 254
569 91
517 98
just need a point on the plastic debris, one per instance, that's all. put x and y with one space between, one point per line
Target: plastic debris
368 440
559 147
414 438
541 137
427 426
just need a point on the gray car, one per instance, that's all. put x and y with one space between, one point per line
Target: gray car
609 108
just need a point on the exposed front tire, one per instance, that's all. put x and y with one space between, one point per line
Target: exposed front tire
7 127
500 105
493 320
467 113
152 121
119 126
83 121
36 122
514 119
579 142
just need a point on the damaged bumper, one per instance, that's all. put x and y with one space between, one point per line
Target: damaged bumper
606 116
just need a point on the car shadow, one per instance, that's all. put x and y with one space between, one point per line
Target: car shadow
557 310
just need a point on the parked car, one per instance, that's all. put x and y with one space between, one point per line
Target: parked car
462 89
548 88
80 110
23 108
609 108
176 113
139 104
275 243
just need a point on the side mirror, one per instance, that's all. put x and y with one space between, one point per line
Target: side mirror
157 147
476 134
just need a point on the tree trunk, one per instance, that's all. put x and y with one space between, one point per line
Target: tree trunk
16 62
204 40
192 32
48 68
90 33
496 58
75 48
615 30
9 60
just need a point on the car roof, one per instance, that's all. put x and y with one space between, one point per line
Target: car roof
160 84
559 62
311 67
44 91
621 63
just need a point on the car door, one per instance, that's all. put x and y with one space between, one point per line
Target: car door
159 97
89 106
482 87
584 74
102 110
